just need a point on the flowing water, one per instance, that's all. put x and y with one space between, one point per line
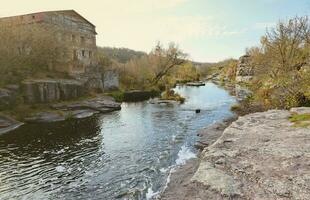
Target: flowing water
127 154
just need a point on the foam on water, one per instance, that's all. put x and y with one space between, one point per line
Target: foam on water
184 155
151 194
60 169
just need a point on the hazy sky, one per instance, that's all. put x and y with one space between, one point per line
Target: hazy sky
209 30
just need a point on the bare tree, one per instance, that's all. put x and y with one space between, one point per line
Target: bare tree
166 59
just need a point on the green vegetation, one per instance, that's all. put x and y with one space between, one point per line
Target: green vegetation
171 95
282 75
117 95
226 70
163 67
300 120
235 107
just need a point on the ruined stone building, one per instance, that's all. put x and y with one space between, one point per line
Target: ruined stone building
74 30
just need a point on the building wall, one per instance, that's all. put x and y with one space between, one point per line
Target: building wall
79 35
76 33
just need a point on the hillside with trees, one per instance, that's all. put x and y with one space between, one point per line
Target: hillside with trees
121 55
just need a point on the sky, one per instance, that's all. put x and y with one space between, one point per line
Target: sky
208 30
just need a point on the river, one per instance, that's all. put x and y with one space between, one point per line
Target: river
127 154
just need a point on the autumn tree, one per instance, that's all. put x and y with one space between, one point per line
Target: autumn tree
287 45
165 59
278 63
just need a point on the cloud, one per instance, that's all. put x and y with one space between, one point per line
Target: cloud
264 25
143 32
168 3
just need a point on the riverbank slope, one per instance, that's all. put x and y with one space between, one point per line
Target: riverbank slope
262 155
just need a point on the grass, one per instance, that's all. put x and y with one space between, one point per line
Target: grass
300 120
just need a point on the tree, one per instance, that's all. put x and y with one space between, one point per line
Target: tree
287 44
165 60
278 63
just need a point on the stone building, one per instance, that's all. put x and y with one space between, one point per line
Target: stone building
72 29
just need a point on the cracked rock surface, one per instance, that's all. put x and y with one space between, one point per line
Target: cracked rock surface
259 156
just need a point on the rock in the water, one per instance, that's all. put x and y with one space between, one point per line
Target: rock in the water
76 110
44 117
163 101
79 114
196 84
7 124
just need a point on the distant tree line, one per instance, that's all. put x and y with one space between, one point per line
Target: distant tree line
160 68
121 55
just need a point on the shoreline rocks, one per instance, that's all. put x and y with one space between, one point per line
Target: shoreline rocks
64 111
75 110
259 156
52 90
8 124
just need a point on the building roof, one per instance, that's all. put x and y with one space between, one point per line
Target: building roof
56 11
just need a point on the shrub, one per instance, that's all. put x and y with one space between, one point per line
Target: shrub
171 95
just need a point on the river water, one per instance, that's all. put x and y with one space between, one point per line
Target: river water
127 154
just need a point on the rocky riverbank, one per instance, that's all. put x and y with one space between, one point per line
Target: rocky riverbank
259 156
63 111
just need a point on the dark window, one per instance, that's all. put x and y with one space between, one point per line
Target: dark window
82 39
83 53
33 17
75 55
73 38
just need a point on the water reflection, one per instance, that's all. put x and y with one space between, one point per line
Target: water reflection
120 155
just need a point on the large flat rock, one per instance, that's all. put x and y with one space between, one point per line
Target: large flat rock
75 110
259 156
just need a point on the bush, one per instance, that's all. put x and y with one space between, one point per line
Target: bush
117 95
171 95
